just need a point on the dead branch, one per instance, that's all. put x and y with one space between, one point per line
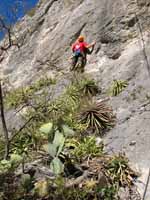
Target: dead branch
5 130
77 181
3 49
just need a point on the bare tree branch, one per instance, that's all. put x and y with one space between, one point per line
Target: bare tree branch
5 130
3 49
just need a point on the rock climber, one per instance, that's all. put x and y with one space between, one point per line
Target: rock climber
80 49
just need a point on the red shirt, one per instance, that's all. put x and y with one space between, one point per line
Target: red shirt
79 46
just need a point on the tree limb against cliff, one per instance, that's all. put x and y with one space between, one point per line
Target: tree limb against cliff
5 46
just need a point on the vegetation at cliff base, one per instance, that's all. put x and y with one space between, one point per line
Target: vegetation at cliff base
57 153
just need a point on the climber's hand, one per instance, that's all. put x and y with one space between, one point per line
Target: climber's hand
93 44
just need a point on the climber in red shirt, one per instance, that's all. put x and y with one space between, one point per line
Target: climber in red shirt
81 49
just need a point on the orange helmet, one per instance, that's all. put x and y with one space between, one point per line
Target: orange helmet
81 38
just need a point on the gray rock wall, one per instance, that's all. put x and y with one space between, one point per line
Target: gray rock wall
56 24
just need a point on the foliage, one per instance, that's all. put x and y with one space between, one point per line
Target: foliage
71 120
31 12
117 87
86 148
57 135
47 131
97 116
88 87
15 160
23 95
23 142
83 192
119 171
7 165
71 98
108 193
41 188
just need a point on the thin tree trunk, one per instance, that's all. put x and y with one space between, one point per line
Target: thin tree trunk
5 131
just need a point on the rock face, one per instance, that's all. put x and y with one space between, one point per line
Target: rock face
55 25
116 26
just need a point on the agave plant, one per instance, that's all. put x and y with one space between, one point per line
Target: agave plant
88 87
117 87
97 116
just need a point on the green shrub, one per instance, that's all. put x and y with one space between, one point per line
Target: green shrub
86 148
88 87
117 87
119 172
56 136
31 12
22 95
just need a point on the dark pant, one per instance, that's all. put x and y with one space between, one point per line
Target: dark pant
83 57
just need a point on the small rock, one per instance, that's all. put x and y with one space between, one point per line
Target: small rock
132 143
99 141
102 180
124 194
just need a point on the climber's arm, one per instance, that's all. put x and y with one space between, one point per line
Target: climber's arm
90 45
88 51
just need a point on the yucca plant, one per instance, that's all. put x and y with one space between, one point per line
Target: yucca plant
117 87
97 116
88 87
72 92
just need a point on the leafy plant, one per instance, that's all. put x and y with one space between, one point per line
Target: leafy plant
117 87
97 116
107 193
71 97
7 165
119 171
85 148
23 95
23 142
56 135
88 87
31 12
